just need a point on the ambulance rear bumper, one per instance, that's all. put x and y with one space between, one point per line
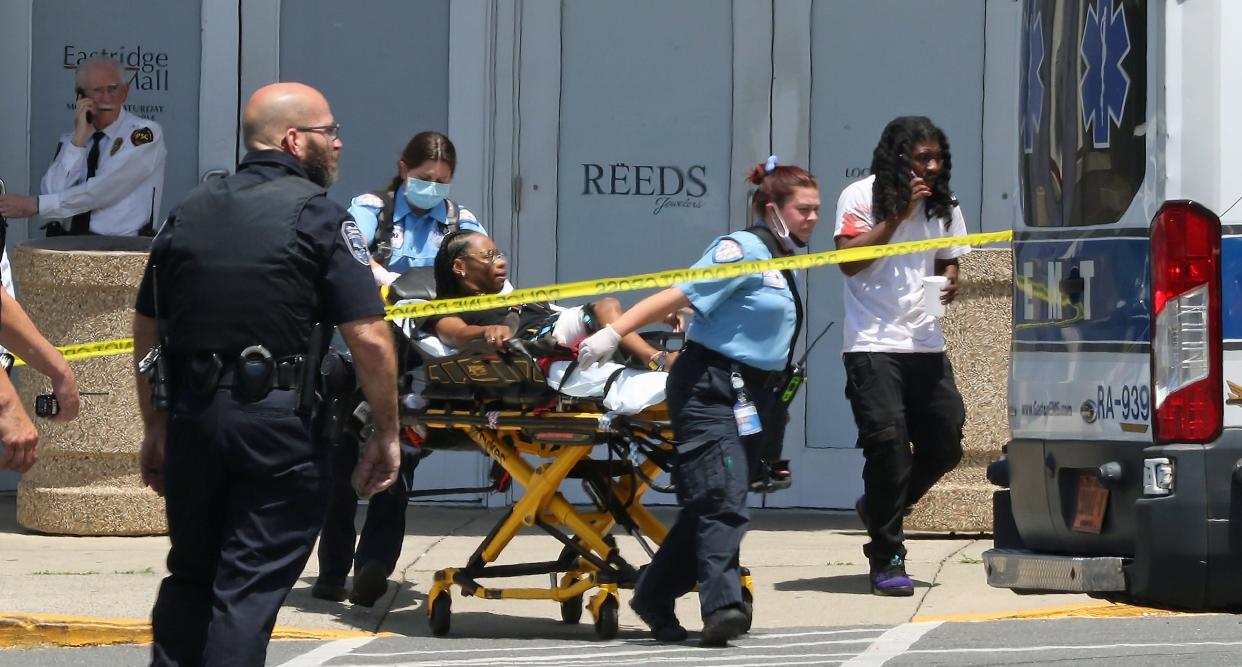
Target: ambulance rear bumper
1026 570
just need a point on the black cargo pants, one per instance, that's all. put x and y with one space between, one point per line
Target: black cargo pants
382 532
909 416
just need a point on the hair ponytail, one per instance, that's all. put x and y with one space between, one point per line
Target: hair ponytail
776 183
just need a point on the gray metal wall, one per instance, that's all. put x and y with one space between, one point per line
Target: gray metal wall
645 129
868 67
383 65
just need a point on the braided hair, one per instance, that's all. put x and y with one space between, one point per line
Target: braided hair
890 163
453 245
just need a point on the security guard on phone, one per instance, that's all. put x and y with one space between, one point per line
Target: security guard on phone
228 332
107 176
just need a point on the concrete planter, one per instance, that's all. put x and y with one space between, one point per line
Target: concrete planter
80 290
977 327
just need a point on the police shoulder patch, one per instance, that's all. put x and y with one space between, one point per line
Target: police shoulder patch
356 242
116 146
369 199
464 215
728 250
142 135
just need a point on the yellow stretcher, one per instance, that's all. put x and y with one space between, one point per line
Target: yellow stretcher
502 404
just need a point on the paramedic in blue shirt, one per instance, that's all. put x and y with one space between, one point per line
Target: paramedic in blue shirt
416 207
403 226
741 326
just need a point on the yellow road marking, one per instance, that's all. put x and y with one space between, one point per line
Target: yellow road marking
1097 609
21 629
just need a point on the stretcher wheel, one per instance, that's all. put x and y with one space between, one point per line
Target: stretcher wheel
441 611
571 610
748 606
608 622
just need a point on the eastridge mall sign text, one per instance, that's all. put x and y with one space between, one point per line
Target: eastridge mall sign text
147 70
667 186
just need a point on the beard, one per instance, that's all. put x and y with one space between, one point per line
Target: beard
321 166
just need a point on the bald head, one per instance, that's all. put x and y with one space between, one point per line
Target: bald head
275 108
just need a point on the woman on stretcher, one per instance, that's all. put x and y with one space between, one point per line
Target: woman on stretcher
469 264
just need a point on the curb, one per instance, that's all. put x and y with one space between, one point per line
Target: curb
1101 609
29 630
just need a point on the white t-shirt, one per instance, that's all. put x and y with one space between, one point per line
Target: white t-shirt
884 302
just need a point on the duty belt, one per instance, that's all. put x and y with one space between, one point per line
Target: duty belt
206 372
754 377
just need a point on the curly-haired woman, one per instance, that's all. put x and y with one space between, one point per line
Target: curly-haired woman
898 379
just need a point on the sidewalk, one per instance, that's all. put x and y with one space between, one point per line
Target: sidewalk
807 566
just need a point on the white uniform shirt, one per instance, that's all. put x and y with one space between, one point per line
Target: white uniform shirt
884 302
128 178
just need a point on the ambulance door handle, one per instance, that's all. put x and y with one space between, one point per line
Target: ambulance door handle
213 173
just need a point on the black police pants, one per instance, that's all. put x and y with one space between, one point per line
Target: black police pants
382 533
909 416
711 474
246 493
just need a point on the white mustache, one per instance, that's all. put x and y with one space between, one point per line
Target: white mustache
105 107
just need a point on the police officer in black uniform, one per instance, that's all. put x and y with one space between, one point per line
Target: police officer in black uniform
237 280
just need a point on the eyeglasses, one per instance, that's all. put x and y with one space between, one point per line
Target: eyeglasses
490 256
924 158
100 91
332 131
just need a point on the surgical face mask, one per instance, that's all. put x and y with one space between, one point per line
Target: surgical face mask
782 232
424 195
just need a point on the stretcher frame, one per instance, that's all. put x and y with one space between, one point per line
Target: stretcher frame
562 433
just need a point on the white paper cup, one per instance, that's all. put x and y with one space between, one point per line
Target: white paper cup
932 287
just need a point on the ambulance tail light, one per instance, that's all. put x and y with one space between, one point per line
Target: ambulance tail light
1186 324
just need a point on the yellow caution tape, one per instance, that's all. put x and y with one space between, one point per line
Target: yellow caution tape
669 278
612 285
1038 290
107 348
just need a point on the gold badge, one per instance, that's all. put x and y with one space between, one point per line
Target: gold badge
59 145
116 146
142 135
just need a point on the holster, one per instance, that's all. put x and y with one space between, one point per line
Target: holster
205 373
337 387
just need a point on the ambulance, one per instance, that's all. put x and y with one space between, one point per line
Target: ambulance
1122 476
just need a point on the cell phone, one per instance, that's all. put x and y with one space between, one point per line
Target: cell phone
46 405
90 117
